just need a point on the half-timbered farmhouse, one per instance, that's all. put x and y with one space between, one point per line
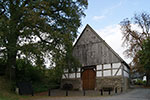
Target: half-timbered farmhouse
101 65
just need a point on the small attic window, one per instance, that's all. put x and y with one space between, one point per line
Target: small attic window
87 30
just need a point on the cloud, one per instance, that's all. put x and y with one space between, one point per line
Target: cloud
113 36
96 18
107 11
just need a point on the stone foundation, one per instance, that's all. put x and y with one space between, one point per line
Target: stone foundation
77 83
116 82
126 83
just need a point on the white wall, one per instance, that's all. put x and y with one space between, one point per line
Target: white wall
99 67
65 70
118 73
107 73
65 76
114 71
107 70
125 68
126 71
116 65
107 66
78 75
99 73
78 70
71 75
126 74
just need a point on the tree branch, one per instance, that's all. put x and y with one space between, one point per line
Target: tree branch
43 40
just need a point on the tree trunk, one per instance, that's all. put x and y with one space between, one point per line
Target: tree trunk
11 64
12 45
11 54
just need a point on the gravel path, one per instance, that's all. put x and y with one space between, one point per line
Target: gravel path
136 94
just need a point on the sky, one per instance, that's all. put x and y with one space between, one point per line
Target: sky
104 17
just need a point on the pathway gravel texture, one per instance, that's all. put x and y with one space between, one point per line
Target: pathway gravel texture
135 94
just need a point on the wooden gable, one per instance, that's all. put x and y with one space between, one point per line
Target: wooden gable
90 49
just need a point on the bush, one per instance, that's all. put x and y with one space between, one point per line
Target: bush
140 82
27 72
2 67
41 79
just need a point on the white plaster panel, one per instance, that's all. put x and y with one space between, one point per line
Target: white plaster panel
78 70
65 70
116 65
71 75
114 71
125 68
78 75
107 73
126 74
99 73
99 67
64 77
118 73
107 66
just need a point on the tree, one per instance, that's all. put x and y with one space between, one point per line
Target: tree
144 59
135 32
37 29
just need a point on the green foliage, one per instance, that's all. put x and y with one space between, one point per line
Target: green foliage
2 66
41 78
27 72
56 74
69 62
144 59
144 55
38 29
51 80
137 42
140 82
33 30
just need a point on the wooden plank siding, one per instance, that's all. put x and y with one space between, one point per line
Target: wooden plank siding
91 49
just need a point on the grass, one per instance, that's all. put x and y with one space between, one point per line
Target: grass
5 90
7 94
8 97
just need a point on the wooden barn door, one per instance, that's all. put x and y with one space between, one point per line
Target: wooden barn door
88 79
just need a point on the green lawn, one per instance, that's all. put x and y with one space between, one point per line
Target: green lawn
7 94
10 97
